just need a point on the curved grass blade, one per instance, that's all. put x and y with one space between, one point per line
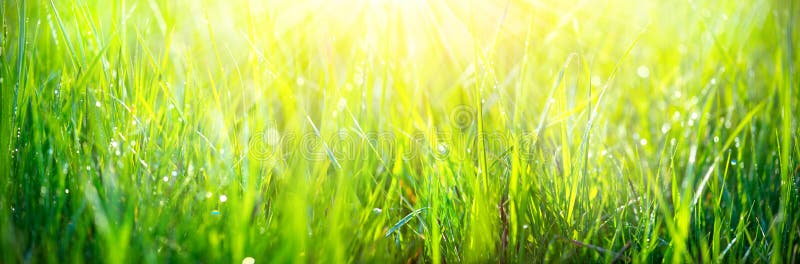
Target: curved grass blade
403 221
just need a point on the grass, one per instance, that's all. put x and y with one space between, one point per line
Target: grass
399 131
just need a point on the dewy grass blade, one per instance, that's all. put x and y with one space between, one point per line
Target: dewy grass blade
403 221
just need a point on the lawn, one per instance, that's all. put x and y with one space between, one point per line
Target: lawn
399 131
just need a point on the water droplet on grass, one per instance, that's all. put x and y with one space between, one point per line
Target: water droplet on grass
442 148
223 198
643 71
248 260
214 212
166 179
733 162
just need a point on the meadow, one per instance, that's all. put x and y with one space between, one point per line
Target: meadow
392 131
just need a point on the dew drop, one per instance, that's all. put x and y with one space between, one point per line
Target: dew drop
665 128
643 72
442 148
692 154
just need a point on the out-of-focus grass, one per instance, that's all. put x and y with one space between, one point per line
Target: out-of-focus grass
397 131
